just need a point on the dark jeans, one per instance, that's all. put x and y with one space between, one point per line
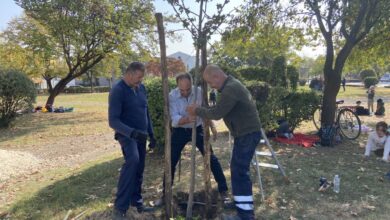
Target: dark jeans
131 176
243 151
180 137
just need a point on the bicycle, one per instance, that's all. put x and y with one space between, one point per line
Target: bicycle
345 119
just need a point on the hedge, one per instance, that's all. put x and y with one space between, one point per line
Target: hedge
82 89
274 103
156 105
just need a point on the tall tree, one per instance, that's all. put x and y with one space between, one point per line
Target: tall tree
342 25
88 30
31 49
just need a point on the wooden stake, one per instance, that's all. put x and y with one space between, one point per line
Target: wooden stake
206 138
167 128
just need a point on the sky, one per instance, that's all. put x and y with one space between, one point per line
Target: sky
9 10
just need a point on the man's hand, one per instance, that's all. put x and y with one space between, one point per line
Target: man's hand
139 136
186 120
152 142
191 109
215 133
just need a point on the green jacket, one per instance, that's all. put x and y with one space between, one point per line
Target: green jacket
237 108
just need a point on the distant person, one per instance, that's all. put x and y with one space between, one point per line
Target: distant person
370 98
377 140
380 108
343 82
128 115
213 97
360 110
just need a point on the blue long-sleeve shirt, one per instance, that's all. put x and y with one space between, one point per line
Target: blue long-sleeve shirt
128 110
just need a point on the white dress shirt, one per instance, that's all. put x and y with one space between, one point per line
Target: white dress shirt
178 105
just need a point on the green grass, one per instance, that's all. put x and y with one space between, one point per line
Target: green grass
63 189
51 194
89 117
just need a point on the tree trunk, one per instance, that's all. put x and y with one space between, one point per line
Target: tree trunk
331 89
206 139
57 90
167 129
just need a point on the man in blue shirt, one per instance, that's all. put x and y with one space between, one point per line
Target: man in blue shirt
128 115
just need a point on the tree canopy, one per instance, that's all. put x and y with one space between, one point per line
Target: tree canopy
84 32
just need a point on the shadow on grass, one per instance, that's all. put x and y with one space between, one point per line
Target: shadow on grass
92 185
37 122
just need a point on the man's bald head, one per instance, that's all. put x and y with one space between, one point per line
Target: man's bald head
214 76
212 69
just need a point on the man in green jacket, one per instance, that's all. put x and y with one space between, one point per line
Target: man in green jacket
238 109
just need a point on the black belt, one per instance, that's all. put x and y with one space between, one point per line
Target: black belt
186 129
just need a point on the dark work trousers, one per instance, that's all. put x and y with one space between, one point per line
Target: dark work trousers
180 137
243 151
131 176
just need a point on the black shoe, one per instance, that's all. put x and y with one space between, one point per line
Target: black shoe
224 197
229 205
142 208
230 217
118 215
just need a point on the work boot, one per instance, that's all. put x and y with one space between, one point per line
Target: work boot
118 215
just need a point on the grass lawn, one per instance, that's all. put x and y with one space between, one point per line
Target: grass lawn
88 188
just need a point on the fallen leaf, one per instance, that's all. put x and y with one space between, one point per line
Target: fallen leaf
369 207
366 187
354 214
292 218
361 169
282 207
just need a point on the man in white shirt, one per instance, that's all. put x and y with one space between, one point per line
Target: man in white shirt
182 124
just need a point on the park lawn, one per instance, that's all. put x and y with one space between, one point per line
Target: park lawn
89 117
364 194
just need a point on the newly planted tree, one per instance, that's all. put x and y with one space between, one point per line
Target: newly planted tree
202 26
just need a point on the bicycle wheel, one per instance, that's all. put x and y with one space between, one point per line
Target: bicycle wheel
317 118
349 122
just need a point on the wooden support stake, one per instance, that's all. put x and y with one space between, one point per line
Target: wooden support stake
206 137
167 128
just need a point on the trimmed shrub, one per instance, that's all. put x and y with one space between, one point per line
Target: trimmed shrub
17 93
370 81
302 82
293 76
367 73
274 103
156 105
255 73
299 107
279 76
